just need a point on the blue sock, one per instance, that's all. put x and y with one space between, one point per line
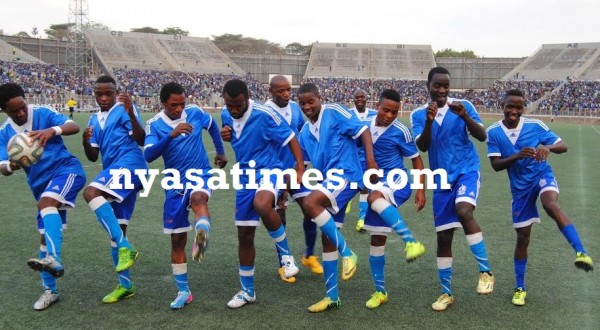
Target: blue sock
336 237
377 263
310 236
48 281
520 268
52 231
181 277
392 218
108 221
362 207
444 265
572 237
330 274
123 276
202 223
247 279
478 249
281 243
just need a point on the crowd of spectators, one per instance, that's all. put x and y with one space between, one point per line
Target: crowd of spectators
47 81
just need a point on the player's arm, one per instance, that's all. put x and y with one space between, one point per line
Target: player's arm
424 139
542 152
68 128
367 142
137 132
499 163
91 152
297 152
474 128
7 167
220 158
417 164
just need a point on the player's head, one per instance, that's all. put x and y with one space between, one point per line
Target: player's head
310 101
12 102
280 90
360 97
105 91
387 107
438 85
236 97
513 106
172 98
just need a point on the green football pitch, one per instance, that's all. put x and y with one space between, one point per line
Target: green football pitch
559 295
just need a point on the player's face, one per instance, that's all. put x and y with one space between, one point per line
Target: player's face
174 106
310 105
387 111
281 91
237 106
360 101
16 109
513 109
106 95
439 88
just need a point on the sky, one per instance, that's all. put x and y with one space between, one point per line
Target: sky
491 28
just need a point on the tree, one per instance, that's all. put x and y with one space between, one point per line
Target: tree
449 52
176 30
23 34
34 32
95 26
239 44
59 31
146 29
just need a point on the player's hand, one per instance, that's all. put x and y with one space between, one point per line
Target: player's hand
226 133
87 134
283 198
372 165
14 166
42 136
181 128
420 200
220 161
432 109
300 168
527 152
541 153
458 108
127 102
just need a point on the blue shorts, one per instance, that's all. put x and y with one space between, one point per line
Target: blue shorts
465 189
245 215
63 188
524 209
104 180
339 196
177 209
396 197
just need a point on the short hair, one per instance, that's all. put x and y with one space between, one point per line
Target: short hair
170 88
389 94
437 69
235 87
308 88
9 91
358 90
106 79
514 92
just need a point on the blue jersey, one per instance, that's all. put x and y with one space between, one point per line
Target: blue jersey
112 135
504 142
391 144
55 160
257 136
185 151
450 148
363 116
292 115
330 142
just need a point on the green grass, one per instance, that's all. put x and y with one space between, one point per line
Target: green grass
559 295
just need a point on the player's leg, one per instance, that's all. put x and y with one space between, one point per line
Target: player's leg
280 207
377 263
520 264
330 275
199 204
549 199
466 200
309 259
246 220
363 205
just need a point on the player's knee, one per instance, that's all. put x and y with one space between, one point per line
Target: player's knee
263 205
246 236
444 237
89 193
464 212
378 240
178 242
523 238
551 208
45 202
198 199
373 196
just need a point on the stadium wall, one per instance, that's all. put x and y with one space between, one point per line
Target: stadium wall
477 73
47 50
260 66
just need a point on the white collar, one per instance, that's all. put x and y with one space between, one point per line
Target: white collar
28 126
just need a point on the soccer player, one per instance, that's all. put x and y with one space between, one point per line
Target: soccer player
363 113
289 110
521 146
175 133
328 139
392 142
55 180
256 133
442 128
116 132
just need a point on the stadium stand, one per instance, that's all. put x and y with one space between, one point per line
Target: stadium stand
9 52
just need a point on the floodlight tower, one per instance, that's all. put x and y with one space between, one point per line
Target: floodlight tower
77 57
